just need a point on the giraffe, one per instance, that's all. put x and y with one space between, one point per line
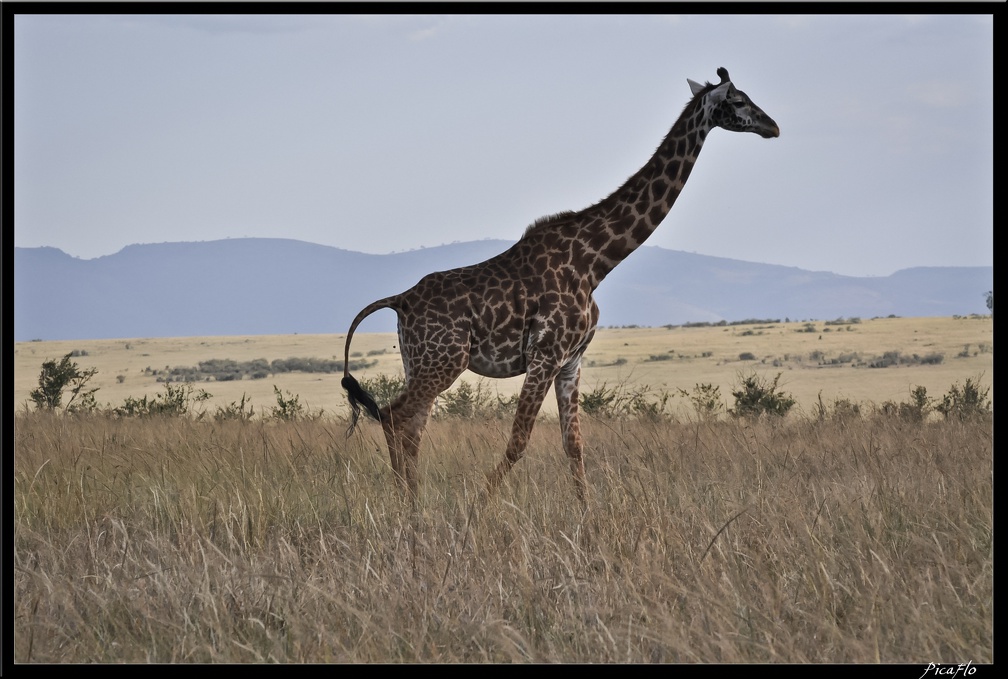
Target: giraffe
529 310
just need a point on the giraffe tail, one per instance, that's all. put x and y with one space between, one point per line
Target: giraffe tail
355 392
358 397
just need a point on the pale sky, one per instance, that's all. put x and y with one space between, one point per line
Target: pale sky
389 133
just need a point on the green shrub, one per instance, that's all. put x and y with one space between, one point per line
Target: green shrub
967 402
288 408
842 409
620 401
891 358
241 410
468 401
174 401
463 401
383 388
648 405
706 400
599 401
757 396
914 410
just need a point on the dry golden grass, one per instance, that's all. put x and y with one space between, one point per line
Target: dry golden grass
836 539
707 355
800 540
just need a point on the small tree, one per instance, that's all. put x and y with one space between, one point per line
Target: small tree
990 300
58 376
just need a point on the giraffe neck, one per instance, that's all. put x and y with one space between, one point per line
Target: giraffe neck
604 234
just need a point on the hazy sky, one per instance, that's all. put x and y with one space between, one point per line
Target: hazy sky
389 133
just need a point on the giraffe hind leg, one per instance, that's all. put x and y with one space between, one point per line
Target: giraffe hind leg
393 438
407 416
404 428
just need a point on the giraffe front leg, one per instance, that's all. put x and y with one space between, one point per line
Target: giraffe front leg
570 425
532 395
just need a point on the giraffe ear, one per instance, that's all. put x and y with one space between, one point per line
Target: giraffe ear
720 93
694 86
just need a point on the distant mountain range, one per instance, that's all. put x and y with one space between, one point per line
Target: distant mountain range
265 286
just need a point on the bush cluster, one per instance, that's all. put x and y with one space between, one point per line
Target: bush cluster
226 369
891 358
754 395
970 401
174 401
466 400
623 401
721 324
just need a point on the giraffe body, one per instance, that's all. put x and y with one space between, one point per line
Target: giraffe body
530 309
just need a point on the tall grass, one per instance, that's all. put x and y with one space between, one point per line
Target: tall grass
837 539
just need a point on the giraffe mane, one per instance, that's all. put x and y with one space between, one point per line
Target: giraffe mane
547 221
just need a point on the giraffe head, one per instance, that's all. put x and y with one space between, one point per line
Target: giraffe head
732 109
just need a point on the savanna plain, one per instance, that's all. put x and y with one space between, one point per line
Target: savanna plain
247 527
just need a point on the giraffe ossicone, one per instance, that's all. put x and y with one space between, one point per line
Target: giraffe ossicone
530 309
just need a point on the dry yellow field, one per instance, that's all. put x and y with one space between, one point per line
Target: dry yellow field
617 356
820 540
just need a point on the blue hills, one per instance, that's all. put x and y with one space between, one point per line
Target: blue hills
266 286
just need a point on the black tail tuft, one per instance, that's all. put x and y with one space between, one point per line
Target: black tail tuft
358 397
